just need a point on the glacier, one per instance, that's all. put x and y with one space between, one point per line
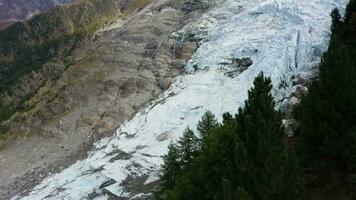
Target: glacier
283 38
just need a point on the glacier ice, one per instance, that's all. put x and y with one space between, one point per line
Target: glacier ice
284 38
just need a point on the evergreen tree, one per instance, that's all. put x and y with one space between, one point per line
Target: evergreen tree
274 173
206 125
259 118
350 8
327 117
213 164
227 118
336 20
244 158
171 167
231 193
188 146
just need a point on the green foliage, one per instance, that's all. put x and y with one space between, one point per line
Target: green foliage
260 130
350 8
231 193
246 157
26 46
31 58
336 20
327 115
206 125
171 167
7 111
227 118
189 146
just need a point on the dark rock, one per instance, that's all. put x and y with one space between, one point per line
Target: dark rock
239 65
107 183
192 5
242 62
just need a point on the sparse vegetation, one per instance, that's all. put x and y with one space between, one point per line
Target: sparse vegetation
26 46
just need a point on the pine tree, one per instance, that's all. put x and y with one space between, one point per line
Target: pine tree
227 118
171 167
350 8
336 20
204 178
327 117
244 158
259 117
274 172
231 193
206 125
188 146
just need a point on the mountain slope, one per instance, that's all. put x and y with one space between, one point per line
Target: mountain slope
103 82
17 10
238 40
35 51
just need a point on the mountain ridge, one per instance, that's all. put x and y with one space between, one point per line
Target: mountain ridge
18 10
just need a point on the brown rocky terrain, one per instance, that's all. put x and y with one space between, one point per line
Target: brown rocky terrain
39 50
87 95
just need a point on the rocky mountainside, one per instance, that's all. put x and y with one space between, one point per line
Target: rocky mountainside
91 79
35 51
17 10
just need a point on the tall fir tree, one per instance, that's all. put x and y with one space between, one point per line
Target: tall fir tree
335 20
227 118
275 173
188 146
350 8
327 116
171 167
206 125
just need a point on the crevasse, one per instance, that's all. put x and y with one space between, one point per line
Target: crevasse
283 38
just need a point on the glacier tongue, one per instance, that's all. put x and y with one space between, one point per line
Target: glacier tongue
283 38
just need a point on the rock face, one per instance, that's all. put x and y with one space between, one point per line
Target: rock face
17 10
89 93
238 66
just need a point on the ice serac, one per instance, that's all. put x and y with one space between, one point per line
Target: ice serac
282 38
